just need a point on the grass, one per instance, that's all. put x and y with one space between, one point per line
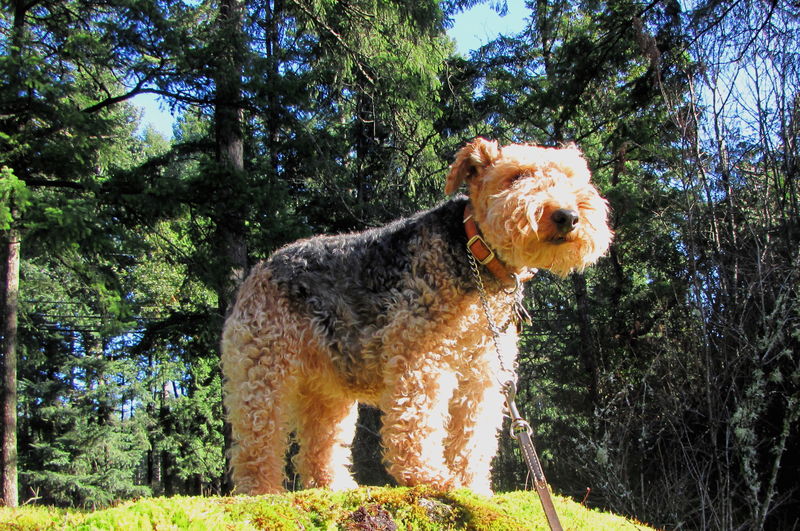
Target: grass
366 508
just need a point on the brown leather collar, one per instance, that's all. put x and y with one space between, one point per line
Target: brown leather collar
483 253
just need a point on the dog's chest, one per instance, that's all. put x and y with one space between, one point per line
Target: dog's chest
426 338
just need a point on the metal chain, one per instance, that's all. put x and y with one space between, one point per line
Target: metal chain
487 311
518 424
519 312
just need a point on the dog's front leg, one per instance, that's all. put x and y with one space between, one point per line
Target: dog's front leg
415 407
476 418
476 411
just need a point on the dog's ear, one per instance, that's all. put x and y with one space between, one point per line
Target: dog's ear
573 162
470 160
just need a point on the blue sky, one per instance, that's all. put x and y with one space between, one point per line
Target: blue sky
471 30
479 25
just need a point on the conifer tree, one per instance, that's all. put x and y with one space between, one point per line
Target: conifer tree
59 116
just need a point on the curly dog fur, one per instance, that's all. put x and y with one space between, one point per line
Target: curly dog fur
392 317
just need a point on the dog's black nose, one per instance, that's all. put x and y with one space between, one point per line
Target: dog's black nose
565 219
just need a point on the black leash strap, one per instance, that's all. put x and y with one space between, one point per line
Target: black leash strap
521 431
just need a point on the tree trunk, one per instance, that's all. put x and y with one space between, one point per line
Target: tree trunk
165 421
230 148
587 354
230 157
10 292
10 296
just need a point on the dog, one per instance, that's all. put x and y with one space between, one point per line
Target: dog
396 317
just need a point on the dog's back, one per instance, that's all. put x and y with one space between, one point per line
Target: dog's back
351 286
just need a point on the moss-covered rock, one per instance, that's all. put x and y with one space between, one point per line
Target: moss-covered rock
363 509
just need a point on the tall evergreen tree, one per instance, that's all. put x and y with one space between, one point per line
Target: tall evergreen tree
49 139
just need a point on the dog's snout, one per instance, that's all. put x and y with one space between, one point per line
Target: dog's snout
565 219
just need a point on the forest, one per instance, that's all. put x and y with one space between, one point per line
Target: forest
663 383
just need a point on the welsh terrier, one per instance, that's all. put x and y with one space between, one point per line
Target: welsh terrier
394 317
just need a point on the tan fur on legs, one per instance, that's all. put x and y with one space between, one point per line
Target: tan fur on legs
472 441
258 458
258 384
414 426
326 427
474 424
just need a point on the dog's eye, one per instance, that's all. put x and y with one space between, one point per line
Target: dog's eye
517 176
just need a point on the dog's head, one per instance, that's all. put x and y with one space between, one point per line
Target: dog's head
535 206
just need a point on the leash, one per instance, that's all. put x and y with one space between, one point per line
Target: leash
520 430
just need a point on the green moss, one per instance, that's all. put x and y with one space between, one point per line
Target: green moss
32 517
376 508
187 513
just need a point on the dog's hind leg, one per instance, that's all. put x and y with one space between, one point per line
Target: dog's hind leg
259 341
259 412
